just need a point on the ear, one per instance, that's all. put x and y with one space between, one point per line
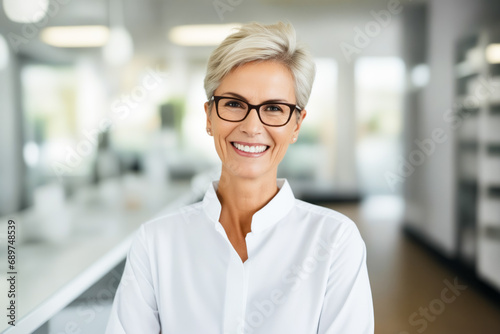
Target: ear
297 125
208 113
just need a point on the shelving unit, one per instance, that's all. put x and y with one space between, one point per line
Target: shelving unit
467 71
478 155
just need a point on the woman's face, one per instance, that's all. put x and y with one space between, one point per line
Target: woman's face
254 82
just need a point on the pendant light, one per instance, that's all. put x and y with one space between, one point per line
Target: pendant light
120 47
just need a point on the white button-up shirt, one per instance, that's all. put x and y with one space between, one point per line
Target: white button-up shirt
305 273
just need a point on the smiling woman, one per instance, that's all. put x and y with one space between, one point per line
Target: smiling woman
238 132
249 258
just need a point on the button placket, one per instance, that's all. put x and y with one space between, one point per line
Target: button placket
236 286
235 299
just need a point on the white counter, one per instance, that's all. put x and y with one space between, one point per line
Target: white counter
50 275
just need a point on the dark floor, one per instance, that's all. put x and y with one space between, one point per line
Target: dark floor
407 281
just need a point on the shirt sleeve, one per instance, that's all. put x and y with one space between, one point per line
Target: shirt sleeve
348 305
134 308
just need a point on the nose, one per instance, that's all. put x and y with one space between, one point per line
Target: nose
252 125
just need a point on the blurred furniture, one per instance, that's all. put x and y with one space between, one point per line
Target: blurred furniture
477 138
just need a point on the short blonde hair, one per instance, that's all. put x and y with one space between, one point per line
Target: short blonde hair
257 42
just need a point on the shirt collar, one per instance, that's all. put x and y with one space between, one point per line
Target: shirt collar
270 214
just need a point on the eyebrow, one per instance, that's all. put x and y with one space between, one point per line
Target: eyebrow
267 101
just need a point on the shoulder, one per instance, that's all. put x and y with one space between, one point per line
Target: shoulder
334 225
322 211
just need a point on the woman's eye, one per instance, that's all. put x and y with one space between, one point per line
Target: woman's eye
233 104
273 108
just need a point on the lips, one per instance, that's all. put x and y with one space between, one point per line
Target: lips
247 148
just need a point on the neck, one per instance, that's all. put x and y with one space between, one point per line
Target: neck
241 198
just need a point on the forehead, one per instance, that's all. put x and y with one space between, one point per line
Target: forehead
257 81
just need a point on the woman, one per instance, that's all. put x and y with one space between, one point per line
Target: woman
249 258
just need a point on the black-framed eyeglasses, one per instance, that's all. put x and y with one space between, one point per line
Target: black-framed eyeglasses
271 114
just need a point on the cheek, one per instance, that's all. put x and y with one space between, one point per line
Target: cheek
282 136
220 145
279 154
220 133
281 141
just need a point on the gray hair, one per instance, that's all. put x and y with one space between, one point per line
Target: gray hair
258 42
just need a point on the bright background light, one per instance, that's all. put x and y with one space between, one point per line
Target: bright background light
25 11
202 34
420 75
493 53
4 53
120 47
75 36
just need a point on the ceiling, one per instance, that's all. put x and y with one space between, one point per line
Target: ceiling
322 24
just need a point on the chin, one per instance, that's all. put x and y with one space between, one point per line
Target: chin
248 172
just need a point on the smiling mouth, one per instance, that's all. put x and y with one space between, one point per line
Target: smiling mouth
250 149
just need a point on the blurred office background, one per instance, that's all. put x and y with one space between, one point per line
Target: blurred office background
102 127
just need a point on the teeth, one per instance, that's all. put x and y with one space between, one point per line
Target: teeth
250 149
